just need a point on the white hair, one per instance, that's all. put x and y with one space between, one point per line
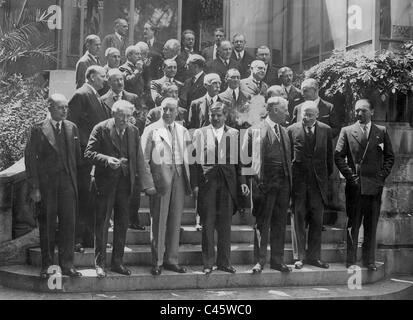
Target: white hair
122 105
209 78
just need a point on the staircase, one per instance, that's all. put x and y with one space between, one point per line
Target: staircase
138 257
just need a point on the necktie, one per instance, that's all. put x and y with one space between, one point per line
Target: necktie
366 135
58 128
234 95
309 132
173 144
277 132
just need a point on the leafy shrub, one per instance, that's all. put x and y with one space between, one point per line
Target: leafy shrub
22 104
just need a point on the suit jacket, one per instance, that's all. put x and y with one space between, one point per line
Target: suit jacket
103 144
192 91
139 114
244 64
294 98
208 53
155 115
371 161
84 62
327 115
271 77
249 88
181 66
86 110
113 41
156 60
235 107
203 173
218 67
156 89
138 84
322 161
198 116
157 148
41 155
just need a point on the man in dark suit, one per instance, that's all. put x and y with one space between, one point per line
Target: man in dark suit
155 50
243 57
254 85
193 87
292 93
169 70
312 164
234 98
327 112
115 94
90 58
188 43
216 178
119 39
86 110
268 145
169 90
137 77
364 156
263 53
52 156
172 50
223 63
114 148
211 53
198 116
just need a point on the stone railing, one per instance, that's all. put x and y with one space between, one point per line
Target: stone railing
18 230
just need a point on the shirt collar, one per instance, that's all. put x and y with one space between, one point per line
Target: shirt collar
54 122
198 75
286 89
151 41
119 36
368 125
253 79
241 53
92 56
224 61
231 90
213 99
167 125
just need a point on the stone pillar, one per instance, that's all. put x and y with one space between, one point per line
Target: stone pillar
5 212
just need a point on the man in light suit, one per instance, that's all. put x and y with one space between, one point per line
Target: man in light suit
198 116
223 62
312 164
263 53
239 54
114 148
169 70
90 58
211 53
52 156
193 87
165 145
327 112
269 146
364 156
86 110
254 84
234 98
119 39
217 178
292 93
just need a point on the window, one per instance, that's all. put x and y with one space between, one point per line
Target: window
359 21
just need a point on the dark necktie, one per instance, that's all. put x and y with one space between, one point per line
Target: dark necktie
234 95
173 144
58 128
277 132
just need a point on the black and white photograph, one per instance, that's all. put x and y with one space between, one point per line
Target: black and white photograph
186 151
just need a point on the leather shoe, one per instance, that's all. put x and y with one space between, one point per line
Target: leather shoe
257 268
207 271
371 267
79 248
72 272
175 268
135 226
299 264
281 267
121 270
229 269
156 271
318 263
100 272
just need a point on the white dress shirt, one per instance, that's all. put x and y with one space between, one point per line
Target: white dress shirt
218 133
366 127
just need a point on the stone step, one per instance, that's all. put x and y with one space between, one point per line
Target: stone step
27 278
239 234
191 255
